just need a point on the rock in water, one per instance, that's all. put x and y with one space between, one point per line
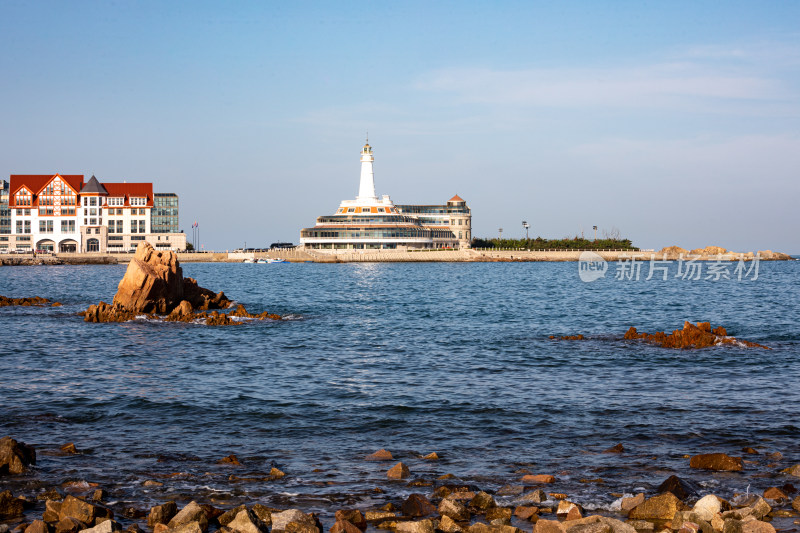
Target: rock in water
153 282
691 336
398 471
10 507
716 461
15 456
154 285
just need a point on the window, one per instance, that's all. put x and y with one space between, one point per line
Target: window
93 222
93 201
85 201
23 198
27 226
142 228
19 227
142 211
67 226
93 211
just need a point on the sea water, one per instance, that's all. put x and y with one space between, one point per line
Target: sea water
453 358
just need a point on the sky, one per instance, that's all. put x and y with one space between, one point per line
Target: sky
671 123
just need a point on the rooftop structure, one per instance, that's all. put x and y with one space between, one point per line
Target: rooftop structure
376 223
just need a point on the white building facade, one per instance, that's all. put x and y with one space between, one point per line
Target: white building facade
61 213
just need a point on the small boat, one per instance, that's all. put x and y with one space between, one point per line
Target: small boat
262 260
249 261
277 260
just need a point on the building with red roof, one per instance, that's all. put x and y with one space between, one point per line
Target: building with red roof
62 213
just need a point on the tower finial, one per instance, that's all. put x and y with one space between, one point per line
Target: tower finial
367 136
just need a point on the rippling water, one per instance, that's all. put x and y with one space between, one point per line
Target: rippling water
453 358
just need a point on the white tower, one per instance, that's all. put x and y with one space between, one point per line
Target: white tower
366 190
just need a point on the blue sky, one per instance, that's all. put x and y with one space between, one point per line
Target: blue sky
676 123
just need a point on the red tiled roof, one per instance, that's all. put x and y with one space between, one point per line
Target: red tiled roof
37 182
127 190
456 198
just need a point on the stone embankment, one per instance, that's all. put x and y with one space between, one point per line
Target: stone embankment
154 285
446 506
670 253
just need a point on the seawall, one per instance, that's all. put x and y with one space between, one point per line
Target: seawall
386 256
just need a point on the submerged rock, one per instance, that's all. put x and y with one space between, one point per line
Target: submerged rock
691 336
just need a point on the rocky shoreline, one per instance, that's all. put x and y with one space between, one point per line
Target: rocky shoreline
426 504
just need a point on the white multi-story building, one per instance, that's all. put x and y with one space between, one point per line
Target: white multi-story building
61 213
375 223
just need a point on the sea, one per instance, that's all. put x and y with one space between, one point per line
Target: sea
414 358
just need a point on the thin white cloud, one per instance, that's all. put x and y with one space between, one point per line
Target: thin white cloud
664 85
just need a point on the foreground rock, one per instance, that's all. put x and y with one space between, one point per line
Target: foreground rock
15 456
691 336
154 285
661 507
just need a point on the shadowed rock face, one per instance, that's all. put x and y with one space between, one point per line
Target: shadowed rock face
691 336
154 285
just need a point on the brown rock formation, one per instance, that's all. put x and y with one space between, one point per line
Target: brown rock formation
15 456
398 471
661 507
37 301
380 455
154 285
691 336
716 461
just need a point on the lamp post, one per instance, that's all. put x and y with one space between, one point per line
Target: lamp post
526 226
500 233
595 232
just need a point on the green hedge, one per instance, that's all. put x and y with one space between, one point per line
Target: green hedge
539 243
